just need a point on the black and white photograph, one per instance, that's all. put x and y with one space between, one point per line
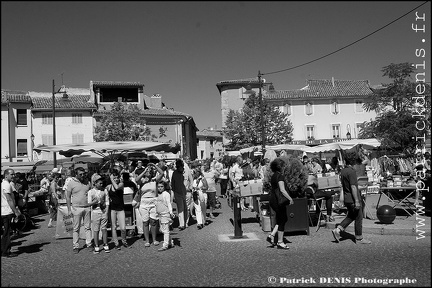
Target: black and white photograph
216 143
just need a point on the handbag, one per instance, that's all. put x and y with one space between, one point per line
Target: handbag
281 199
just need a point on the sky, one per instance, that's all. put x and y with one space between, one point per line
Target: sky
181 50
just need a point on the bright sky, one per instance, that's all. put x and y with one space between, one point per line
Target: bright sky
182 49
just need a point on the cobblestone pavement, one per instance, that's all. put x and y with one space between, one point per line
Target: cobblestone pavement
201 259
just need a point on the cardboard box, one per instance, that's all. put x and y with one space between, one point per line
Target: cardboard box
251 187
328 182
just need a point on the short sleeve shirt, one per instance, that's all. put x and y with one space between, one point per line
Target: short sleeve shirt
348 177
6 189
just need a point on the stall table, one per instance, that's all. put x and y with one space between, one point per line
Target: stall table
398 197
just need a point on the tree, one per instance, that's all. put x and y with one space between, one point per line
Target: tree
124 122
397 107
243 128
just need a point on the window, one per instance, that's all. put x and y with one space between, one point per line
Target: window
359 106
76 118
202 154
22 117
47 119
336 130
77 138
47 139
285 109
211 143
334 107
119 94
309 108
310 132
21 147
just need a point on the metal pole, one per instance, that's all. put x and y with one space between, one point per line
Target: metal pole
263 136
54 125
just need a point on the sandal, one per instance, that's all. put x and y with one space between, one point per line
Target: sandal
281 245
270 239
147 244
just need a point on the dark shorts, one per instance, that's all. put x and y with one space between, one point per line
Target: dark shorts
211 198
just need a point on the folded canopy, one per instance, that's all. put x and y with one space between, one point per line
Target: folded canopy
68 150
345 145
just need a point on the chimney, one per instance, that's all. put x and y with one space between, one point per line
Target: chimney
156 101
333 81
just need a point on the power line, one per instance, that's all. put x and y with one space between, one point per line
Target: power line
346 45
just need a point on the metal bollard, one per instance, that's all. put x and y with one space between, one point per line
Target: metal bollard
238 233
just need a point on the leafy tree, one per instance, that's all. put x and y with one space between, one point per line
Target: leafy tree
243 128
396 107
124 122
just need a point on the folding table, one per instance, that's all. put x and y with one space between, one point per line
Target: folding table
399 197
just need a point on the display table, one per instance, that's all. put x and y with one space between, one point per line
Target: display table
398 197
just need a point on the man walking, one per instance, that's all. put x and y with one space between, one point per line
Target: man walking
350 196
8 209
77 204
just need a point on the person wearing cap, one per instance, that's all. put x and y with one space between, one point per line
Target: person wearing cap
99 201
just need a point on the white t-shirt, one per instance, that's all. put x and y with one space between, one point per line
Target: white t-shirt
6 188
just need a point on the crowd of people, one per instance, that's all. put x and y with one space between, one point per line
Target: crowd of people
97 200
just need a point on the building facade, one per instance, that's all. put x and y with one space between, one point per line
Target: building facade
27 118
321 112
209 144
16 126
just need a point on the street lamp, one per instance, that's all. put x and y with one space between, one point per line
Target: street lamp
54 117
348 135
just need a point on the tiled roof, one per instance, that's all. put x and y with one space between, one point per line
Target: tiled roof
156 112
72 102
116 83
210 133
325 89
240 81
8 96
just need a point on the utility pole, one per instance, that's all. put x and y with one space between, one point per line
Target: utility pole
263 136
54 125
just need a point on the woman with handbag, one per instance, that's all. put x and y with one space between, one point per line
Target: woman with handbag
279 199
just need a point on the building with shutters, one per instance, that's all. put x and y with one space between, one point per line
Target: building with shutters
323 111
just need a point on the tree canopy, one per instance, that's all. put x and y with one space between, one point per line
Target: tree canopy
243 128
124 122
399 107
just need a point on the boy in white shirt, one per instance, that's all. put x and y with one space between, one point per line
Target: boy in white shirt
99 201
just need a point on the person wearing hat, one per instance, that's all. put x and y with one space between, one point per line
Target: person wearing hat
99 203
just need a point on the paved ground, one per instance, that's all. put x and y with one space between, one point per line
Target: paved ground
201 259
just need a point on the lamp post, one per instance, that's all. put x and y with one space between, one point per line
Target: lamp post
263 136
54 125
32 137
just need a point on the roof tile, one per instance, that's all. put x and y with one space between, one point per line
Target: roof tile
72 102
325 89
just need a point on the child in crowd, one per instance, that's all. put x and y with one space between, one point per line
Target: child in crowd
99 201
164 212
